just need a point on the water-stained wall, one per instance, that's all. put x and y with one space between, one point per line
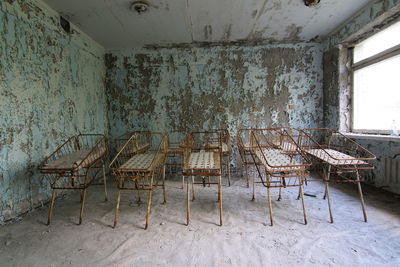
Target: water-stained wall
51 87
337 83
330 88
199 88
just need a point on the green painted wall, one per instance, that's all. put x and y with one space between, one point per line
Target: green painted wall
201 88
51 87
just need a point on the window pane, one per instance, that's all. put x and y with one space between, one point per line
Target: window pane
379 42
377 95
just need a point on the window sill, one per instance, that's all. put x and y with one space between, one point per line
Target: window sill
380 137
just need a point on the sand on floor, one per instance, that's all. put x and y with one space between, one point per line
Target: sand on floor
245 239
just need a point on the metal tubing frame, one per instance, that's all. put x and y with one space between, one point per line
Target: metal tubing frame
307 141
226 155
297 171
152 174
245 152
81 171
175 151
189 172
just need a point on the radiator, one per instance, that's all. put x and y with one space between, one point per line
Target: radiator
392 171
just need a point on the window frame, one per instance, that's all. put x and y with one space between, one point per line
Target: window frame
386 54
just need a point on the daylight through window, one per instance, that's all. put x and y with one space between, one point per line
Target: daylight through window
376 82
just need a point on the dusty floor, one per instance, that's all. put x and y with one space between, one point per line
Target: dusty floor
245 239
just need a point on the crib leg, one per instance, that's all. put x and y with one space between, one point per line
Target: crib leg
280 194
164 188
303 204
298 195
254 188
53 196
218 190
193 188
209 181
327 193
247 175
149 203
361 196
138 192
105 183
220 199
270 206
187 202
183 181
118 201
82 205
329 201
229 170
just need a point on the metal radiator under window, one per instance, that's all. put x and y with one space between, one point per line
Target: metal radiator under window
392 171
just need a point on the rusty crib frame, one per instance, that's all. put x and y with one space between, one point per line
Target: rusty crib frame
93 150
145 178
281 158
175 153
175 150
141 144
195 144
266 149
245 150
226 151
322 144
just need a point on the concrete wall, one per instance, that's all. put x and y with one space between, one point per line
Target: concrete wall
199 88
330 88
337 82
51 87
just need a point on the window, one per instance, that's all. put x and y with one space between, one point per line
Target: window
376 82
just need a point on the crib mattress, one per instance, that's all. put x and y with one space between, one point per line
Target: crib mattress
335 157
275 160
73 160
204 161
142 162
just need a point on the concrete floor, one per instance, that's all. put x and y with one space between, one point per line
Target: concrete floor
245 239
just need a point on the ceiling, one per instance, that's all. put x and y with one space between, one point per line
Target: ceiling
171 22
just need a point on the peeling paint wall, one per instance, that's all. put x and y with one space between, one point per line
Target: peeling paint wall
186 89
330 85
377 12
337 81
51 87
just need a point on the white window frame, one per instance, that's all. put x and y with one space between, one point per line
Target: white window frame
386 54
